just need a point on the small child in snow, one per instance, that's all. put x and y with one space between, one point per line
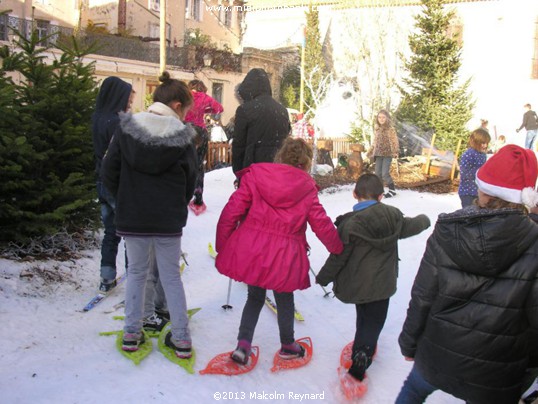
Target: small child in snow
498 144
471 160
365 273
268 248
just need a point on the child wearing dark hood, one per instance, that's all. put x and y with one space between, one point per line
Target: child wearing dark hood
115 96
261 123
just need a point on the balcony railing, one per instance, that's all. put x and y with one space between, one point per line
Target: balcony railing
134 48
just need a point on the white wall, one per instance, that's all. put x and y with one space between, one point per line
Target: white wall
498 47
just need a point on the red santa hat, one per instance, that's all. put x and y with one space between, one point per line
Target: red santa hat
510 175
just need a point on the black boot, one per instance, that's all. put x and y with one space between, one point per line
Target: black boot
362 359
391 192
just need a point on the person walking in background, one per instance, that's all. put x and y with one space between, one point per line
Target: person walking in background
366 272
471 160
384 148
272 206
484 125
203 104
530 123
472 322
150 167
115 96
261 123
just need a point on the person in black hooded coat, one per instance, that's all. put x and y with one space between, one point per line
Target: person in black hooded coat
261 123
115 96
472 323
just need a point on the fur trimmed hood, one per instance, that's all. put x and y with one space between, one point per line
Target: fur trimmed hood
153 129
151 143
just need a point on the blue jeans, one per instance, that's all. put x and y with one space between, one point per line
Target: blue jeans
109 246
415 389
529 139
382 170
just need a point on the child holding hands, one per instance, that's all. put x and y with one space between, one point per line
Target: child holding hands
365 273
268 248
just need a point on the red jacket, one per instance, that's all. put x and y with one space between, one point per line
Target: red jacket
268 247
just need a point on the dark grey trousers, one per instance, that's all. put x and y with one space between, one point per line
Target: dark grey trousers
251 313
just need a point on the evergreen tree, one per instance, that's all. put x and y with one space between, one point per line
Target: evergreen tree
431 98
46 151
315 68
289 87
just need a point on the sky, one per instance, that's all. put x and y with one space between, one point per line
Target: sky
53 353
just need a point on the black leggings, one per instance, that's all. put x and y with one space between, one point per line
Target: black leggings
202 144
370 321
253 307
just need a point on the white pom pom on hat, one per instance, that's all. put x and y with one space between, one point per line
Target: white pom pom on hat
510 175
529 197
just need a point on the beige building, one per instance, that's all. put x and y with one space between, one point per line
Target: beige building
222 21
127 33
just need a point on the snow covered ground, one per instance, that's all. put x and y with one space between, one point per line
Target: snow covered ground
52 352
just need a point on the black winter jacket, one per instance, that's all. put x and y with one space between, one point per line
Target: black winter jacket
150 168
112 99
367 270
261 123
472 323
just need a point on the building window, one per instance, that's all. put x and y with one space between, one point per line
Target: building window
151 86
155 5
228 17
3 27
217 90
42 28
193 9
154 30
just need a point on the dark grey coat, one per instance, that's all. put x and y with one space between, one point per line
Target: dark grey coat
472 323
367 269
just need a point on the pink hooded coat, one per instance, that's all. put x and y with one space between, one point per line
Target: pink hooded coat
268 248
203 104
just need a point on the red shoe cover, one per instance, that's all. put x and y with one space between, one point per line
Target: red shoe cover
345 356
283 364
222 364
351 387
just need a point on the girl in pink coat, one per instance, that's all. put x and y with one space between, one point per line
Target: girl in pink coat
261 239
